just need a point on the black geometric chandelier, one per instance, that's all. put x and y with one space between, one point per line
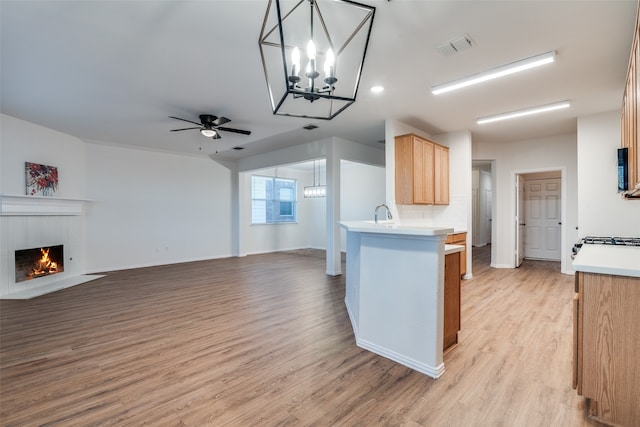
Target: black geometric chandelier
313 52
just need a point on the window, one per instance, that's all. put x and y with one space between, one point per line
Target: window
273 200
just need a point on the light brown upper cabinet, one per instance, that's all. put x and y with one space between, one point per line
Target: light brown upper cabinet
630 118
441 170
422 171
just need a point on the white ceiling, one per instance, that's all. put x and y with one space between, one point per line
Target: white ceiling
113 71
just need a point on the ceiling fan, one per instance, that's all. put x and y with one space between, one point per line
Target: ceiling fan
210 125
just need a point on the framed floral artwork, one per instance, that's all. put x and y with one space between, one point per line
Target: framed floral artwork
42 180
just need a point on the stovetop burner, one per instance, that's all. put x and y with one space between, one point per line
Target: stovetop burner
624 241
598 240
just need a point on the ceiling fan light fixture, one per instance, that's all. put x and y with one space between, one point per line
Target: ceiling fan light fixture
208 132
210 126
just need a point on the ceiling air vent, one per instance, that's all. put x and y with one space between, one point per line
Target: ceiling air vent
456 45
310 127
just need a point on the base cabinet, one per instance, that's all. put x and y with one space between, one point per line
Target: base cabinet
607 346
451 299
459 239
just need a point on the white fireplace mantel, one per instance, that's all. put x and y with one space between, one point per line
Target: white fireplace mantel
14 205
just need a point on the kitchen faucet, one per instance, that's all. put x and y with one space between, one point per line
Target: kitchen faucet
375 214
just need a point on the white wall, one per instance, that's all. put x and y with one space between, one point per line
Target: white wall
146 208
154 208
602 212
317 231
21 142
553 153
362 188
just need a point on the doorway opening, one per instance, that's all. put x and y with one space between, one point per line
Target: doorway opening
482 212
539 210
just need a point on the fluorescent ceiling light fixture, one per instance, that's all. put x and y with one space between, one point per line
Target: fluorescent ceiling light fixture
505 70
526 112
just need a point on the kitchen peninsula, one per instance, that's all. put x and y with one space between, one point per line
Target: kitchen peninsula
395 291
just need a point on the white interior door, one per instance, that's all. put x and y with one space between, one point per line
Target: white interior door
542 219
520 219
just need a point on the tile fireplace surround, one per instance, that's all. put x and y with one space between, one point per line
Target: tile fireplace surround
29 222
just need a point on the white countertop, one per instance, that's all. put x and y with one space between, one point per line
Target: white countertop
393 228
608 259
452 249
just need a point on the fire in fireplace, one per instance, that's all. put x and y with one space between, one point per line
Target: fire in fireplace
38 262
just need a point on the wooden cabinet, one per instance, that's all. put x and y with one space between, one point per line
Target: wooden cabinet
451 299
630 117
423 183
422 171
606 346
459 239
441 175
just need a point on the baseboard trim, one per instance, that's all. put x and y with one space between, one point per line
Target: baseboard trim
432 371
501 265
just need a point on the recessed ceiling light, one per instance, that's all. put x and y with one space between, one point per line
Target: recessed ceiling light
505 70
377 89
525 112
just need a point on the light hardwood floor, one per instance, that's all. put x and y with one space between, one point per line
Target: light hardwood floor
265 340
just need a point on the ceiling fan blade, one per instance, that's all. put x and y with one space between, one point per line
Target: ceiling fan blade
176 130
216 136
244 132
185 120
220 121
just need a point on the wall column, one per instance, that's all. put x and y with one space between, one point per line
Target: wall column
334 265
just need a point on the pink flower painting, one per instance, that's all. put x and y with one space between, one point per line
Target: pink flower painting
42 180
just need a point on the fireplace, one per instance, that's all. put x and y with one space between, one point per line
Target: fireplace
38 262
